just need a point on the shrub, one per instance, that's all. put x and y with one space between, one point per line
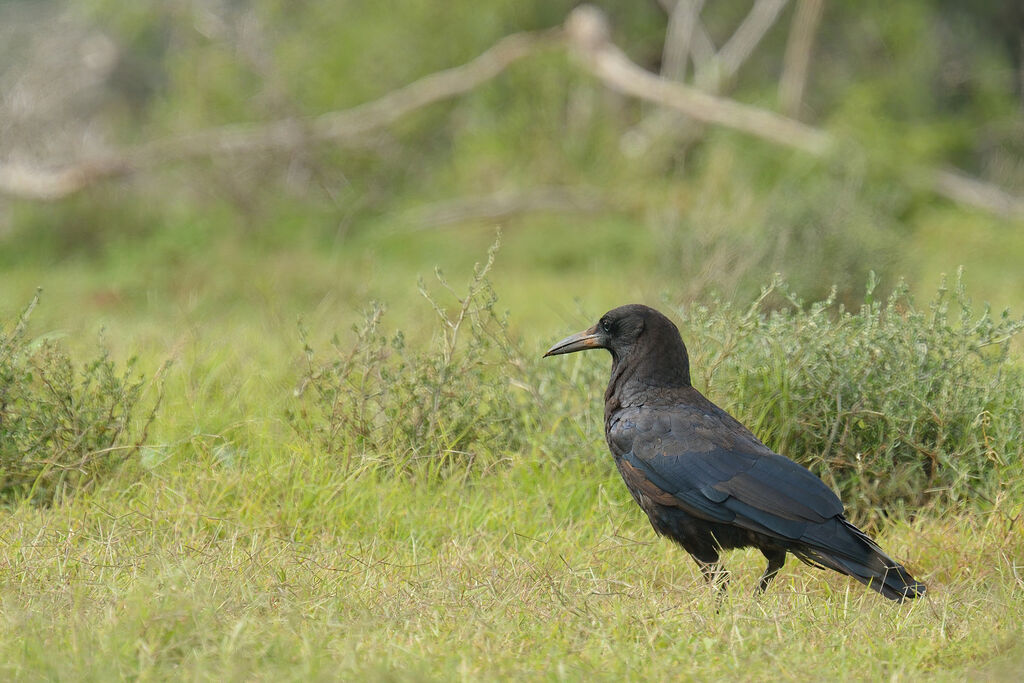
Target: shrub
894 406
63 427
378 400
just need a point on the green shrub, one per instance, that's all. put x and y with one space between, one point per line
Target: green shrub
62 427
378 400
894 406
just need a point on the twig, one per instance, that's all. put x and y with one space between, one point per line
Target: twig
7 341
678 36
747 37
797 59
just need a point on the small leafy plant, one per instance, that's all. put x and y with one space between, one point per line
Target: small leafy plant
459 402
893 405
63 426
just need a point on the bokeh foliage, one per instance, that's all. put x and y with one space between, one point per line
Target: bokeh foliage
924 83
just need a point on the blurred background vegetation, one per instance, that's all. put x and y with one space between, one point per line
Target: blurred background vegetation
603 198
596 206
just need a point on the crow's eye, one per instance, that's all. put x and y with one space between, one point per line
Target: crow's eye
606 325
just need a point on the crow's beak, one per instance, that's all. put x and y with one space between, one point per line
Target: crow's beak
581 341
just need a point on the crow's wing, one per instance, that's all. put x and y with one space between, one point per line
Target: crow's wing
700 459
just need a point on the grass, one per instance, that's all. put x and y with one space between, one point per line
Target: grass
287 569
445 507
234 548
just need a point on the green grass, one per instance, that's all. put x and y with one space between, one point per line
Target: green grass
283 568
463 520
235 548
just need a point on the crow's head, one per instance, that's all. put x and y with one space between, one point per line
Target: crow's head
639 338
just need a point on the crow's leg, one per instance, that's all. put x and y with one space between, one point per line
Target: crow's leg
776 558
715 575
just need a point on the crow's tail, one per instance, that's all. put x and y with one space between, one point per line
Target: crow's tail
843 547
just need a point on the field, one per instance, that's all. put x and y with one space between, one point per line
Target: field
286 569
233 548
283 415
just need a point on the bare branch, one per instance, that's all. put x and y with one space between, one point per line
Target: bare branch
963 189
712 70
586 31
798 55
744 41
609 64
702 48
435 87
678 35
342 126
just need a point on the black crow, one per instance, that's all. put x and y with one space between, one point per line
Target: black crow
703 479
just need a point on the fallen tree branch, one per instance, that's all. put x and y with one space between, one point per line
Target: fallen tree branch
964 189
585 31
49 184
588 33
